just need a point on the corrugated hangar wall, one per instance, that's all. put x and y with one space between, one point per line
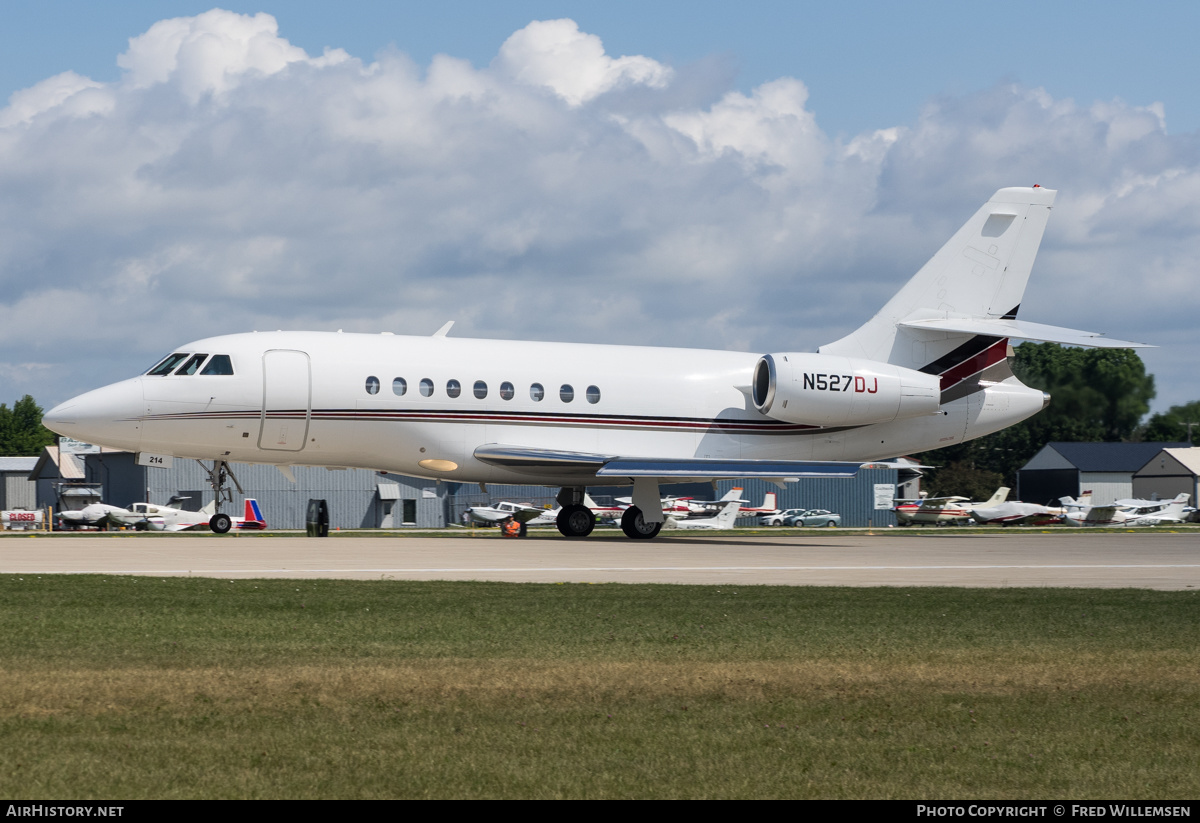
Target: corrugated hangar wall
852 498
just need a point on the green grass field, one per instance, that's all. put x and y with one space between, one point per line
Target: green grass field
131 687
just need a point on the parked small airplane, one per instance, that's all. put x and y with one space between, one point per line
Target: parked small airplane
1014 513
1129 512
943 509
767 508
930 369
152 517
692 508
520 512
722 520
93 515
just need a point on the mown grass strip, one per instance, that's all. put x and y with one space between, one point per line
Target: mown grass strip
148 687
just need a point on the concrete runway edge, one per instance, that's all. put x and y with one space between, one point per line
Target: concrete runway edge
1149 560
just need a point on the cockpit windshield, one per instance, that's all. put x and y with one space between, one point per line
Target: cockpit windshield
168 365
220 364
192 364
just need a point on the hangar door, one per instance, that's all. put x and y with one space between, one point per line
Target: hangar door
287 400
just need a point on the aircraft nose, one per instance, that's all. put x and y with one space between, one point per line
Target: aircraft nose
105 417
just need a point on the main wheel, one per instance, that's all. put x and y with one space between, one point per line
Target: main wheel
635 526
576 521
220 523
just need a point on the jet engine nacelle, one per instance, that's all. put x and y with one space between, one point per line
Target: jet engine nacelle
826 390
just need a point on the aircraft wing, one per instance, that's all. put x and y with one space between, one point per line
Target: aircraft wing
540 461
1099 515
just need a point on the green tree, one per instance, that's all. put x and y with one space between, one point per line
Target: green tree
1172 424
1095 395
21 429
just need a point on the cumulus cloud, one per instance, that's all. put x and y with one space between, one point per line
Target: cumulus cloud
211 53
557 55
230 181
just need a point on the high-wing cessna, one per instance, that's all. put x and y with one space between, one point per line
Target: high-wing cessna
944 509
1128 512
930 369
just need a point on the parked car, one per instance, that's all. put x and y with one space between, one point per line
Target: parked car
814 517
778 519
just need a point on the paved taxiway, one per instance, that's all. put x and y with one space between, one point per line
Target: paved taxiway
1151 560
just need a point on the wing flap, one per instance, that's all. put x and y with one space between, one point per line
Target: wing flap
703 468
691 468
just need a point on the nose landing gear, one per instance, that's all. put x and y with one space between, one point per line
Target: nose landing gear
221 523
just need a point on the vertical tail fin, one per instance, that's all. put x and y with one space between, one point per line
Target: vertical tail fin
728 515
980 273
954 317
999 497
253 513
769 501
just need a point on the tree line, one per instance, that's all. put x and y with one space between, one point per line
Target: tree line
21 429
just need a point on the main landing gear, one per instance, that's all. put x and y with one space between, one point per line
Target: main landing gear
575 519
634 524
221 523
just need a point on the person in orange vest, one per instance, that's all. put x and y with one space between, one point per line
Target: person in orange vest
510 527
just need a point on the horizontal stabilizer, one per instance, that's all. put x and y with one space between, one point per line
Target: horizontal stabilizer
1022 330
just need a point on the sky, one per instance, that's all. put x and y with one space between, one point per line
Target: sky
759 177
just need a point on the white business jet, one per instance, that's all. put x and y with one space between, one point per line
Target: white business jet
929 370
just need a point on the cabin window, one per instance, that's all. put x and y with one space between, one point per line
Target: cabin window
426 387
372 385
219 365
593 394
507 391
566 393
399 386
168 365
537 391
191 365
480 389
453 388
